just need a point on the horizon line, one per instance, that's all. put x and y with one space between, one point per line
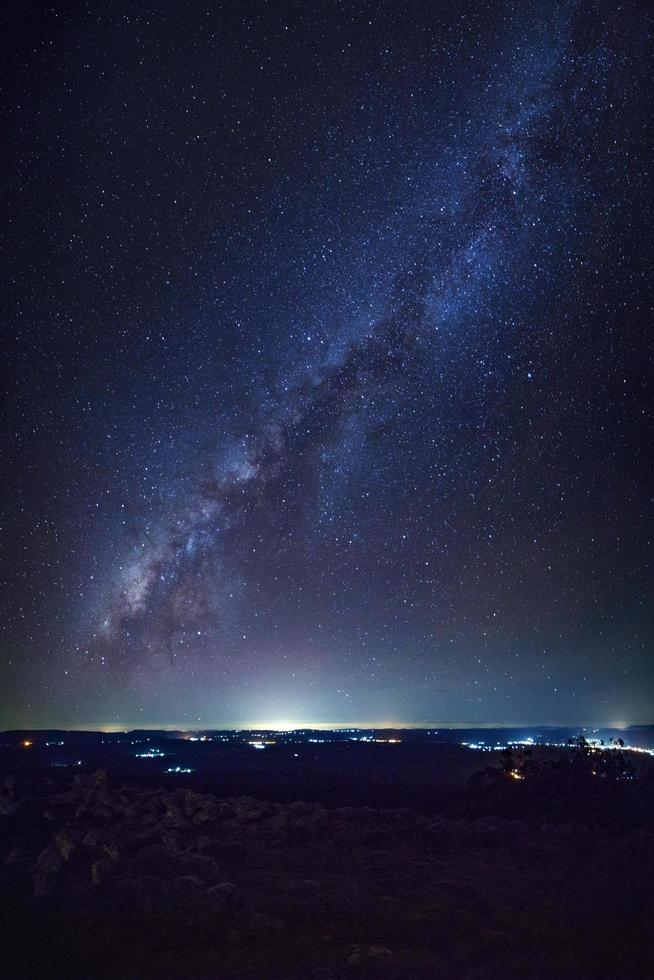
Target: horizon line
116 729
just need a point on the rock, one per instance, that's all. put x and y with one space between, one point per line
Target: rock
377 837
206 813
100 839
298 831
485 832
43 884
517 828
112 850
96 837
15 858
168 836
262 923
175 818
153 885
306 889
507 966
155 854
222 895
294 909
102 869
185 891
7 804
438 835
640 841
93 791
102 814
152 835
573 831
60 801
49 860
362 953
334 904
198 864
46 868
66 842
192 802
302 808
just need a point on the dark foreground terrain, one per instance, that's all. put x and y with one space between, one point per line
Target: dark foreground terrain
102 878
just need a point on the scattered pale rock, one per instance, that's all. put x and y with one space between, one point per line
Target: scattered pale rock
362 953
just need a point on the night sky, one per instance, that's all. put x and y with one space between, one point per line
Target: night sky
327 362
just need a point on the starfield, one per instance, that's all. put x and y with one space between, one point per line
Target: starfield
326 642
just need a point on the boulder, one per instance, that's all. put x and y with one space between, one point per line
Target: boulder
362 953
265 925
192 802
7 804
96 837
200 865
155 859
485 831
92 792
175 818
305 890
112 849
66 841
225 811
222 895
184 892
102 814
47 866
102 869
49 860
207 812
15 858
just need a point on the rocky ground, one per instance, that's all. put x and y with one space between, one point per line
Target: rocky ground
100 880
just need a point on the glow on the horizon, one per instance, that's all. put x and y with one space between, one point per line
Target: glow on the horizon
278 726
289 725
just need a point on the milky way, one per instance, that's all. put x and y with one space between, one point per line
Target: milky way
378 453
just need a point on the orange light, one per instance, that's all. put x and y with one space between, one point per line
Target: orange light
26 743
